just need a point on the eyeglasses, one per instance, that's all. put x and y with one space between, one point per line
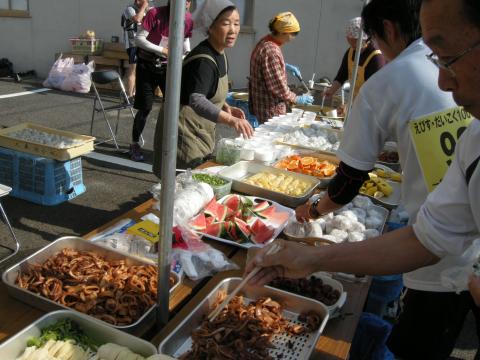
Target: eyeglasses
447 65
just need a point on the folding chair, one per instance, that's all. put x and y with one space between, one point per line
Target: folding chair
122 103
4 191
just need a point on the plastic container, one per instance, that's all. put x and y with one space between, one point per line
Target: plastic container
41 180
218 190
86 46
96 329
228 152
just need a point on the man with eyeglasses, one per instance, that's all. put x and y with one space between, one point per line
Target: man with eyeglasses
449 221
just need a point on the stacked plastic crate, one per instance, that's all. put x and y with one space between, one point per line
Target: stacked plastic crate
42 173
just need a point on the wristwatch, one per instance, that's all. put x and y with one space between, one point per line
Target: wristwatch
312 210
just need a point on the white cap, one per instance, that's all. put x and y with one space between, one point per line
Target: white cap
354 27
208 12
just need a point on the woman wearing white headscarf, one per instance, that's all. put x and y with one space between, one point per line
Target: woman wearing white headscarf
371 59
204 88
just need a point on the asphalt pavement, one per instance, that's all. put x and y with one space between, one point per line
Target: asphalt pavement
114 183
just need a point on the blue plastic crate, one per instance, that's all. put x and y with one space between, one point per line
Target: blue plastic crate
41 180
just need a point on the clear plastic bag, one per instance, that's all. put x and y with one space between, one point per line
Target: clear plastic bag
197 259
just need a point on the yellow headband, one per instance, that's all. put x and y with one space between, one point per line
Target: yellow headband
285 22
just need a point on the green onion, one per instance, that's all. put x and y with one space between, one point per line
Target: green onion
209 179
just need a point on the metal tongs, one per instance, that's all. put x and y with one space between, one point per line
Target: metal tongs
303 84
273 249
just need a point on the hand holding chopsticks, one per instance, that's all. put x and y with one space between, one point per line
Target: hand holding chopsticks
273 249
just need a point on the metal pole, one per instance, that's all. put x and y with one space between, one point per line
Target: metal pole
355 69
169 154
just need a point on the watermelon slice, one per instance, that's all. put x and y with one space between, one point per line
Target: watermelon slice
218 211
247 202
261 206
209 220
243 232
268 213
215 229
261 232
199 222
232 231
233 202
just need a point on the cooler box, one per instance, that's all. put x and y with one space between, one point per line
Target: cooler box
41 180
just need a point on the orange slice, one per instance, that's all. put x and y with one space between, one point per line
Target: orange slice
307 160
292 165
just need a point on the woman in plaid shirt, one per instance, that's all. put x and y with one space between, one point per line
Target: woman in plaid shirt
268 88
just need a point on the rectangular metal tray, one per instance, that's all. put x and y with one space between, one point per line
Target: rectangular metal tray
244 169
15 345
179 341
10 275
331 158
43 149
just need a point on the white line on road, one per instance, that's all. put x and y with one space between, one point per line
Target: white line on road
24 93
119 161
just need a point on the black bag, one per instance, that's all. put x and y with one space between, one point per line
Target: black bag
6 67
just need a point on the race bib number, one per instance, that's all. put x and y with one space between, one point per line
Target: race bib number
435 137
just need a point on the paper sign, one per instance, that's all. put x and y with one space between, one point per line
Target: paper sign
435 137
146 229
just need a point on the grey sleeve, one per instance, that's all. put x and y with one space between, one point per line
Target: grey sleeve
203 107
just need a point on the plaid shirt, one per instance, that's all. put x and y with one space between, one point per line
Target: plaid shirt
268 88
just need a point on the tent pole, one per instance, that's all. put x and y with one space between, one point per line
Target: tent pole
355 70
169 155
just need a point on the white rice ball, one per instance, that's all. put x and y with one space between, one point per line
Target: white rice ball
362 202
329 226
374 211
370 233
349 214
357 227
321 221
373 222
314 229
330 238
341 235
356 236
341 222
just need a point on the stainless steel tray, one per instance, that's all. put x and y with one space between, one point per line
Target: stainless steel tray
244 169
15 345
10 275
179 341
324 181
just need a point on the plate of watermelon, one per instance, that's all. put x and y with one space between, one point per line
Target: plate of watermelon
243 221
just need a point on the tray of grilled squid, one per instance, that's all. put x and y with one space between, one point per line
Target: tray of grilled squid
74 273
264 321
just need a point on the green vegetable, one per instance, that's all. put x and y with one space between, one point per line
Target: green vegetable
64 330
209 179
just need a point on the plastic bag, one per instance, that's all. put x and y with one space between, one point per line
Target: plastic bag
456 278
198 259
67 76
190 197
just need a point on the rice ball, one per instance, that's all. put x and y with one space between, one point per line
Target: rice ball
349 214
357 227
330 238
341 235
341 222
356 236
362 202
314 229
370 233
374 211
373 222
